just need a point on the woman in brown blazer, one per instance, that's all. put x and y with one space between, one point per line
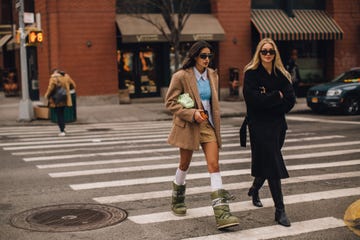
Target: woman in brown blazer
60 78
198 125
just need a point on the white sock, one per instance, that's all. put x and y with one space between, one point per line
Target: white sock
216 182
180 176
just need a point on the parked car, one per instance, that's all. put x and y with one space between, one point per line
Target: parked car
342 93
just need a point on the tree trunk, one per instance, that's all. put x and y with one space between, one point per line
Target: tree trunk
176 50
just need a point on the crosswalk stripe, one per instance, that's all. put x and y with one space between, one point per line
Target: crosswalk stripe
230 186
170 157
245 206
137 181
158 150
153 167
141 140
85 136
117 126
103 137
307 119
277 231
78 133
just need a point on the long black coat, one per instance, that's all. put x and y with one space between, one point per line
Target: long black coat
266 120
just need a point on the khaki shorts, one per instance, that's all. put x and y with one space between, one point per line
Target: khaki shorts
207 133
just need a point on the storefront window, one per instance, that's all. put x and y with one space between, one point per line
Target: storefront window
184 48
149 6
309 4
281 4
265 4
147 73
137 71
310 60
125 68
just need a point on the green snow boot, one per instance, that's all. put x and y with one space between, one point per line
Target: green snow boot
220 204
178 206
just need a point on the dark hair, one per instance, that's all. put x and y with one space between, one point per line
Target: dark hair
194 52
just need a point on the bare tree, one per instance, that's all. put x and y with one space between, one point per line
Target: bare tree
174 12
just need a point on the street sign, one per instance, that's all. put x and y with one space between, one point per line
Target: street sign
29 17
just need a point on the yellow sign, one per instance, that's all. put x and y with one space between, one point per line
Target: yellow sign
35 37
40 37
352 217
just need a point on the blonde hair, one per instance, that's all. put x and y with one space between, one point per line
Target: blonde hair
277 63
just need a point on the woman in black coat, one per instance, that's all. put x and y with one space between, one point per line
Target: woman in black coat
269 95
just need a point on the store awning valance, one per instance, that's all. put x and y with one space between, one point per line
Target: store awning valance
305 25
202 27
4 39
198 27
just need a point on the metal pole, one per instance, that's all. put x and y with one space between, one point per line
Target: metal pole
26 111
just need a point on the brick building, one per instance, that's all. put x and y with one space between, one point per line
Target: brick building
105 50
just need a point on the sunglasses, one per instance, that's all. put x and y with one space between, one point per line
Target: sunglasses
206 55
265 52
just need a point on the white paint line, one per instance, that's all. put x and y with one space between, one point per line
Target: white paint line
161 134
277 231
87 139
114 161
103 162
154 167
124 138
90 142
130 152
306 119
141 140
86 144
29 134
207 189
85 128
137 181
244 206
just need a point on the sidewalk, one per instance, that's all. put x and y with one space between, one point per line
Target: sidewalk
87 112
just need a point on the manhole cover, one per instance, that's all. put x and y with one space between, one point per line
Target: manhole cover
69 217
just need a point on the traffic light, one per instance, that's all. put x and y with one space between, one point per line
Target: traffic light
35 37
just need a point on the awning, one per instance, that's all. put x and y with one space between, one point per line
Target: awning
12 45
197 27
4 39
202 27
305 25
135 29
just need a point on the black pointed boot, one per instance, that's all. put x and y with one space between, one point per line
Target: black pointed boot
254 191
276 193
281 218
255 197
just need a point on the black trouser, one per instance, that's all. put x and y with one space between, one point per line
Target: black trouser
275 189
60 117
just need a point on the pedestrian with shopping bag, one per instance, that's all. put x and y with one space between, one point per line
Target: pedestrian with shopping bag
192 98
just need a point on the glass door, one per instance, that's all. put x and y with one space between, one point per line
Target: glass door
137 71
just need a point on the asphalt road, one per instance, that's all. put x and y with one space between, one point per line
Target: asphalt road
130 166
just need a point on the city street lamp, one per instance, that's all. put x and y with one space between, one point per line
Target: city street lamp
26 111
